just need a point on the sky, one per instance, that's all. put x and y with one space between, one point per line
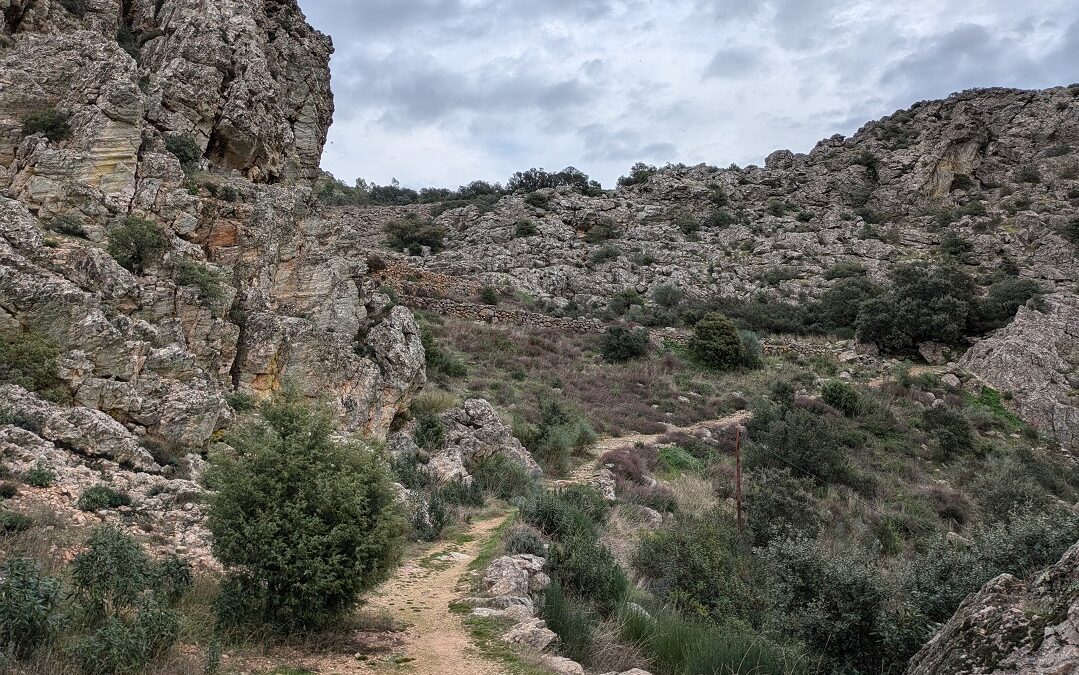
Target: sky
442 92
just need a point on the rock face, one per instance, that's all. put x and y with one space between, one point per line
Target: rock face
473 432
245 284
1011 627
1036 358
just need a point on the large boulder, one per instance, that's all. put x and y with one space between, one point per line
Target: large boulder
474 432
1011 628
1036 360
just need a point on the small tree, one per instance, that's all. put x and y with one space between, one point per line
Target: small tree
412 234
135 243
620 344
302 524
716 343
186 149
54 124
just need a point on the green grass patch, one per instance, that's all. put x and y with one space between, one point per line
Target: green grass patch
486 634
676 460
491 547
990 400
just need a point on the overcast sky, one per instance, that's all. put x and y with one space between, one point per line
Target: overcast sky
440 92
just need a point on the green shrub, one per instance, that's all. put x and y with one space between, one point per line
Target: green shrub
620 344
525 228
922 304
31 360
54 124
441 364
205 280
559 430
241 401
624 300
121 646
570 621
839 305
1028 173
12 522
524 539
65 224
842 397
557 517
639 174
301 523
588 500
1003 300
676 460
716 343
430 517
502 478
100 497
135 243
953 245
29 607
185 148
539 200
819 444
459 493
489 295
699 566
586 569
950 430
8 490
719 219
818 595
412 234
605 253
39 476
779 505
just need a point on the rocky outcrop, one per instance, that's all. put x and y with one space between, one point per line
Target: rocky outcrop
1011 627
474 432
1036 359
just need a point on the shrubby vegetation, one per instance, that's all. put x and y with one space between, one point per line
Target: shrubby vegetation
412 234
113 611
620 344
206 281
31 360
301 523
135 243
556 431
54 124
186 149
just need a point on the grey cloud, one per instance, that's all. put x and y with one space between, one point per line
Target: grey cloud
731 63
624 145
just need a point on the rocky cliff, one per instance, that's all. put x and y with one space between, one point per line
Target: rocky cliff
159 232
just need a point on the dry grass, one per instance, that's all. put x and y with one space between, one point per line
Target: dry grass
695 495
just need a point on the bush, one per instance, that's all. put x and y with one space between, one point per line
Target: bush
1070 231
301 523
539 200
502 478
588 500
102 497
818 444
639 173
557 517
842 397
459 493
559 430
716 343
818 595
31 360
699 566
1004 299
1028 173
54 124
839 305
412 234
120 647
8 490
29 607
525 228
39 477
441 364
135 243
620 344
605 253
950 430
570 621
68 225
779 505
585 568
524 539
205 280
12 522
185 148
719 219
489 295
923 304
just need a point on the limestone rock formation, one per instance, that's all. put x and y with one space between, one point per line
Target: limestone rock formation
1010 627
474 431
1036 358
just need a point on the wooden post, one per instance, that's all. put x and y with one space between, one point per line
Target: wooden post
738 474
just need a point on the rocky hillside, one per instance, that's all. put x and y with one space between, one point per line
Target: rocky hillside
987 177
156 244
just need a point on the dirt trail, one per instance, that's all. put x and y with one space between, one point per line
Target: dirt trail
583 472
